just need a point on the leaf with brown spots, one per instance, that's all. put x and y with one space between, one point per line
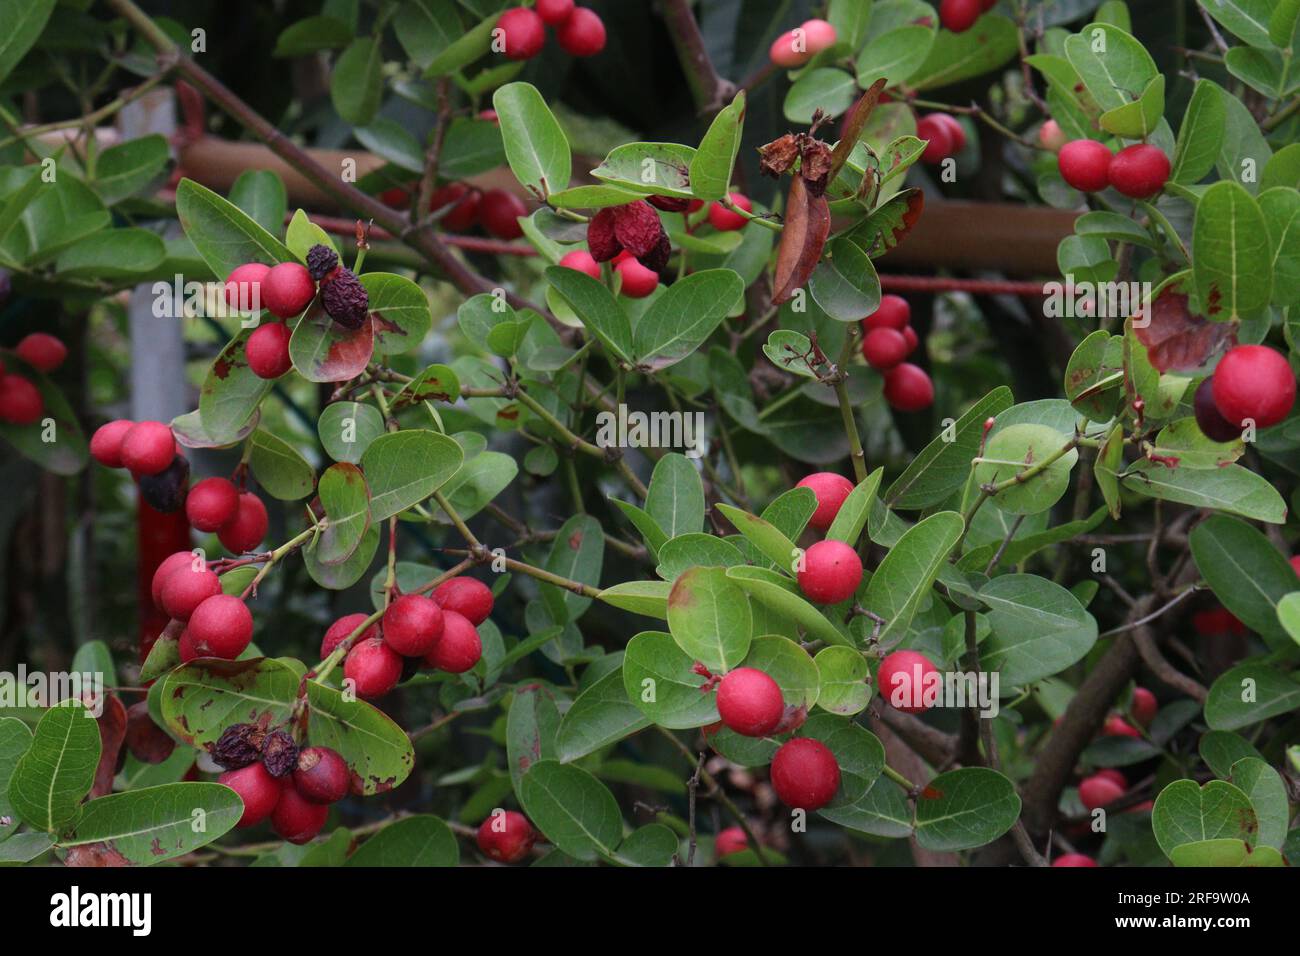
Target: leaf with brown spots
1177 340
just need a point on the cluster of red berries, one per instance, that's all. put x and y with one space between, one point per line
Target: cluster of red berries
943 134
275 778
1252 383
215 624
580 30
506 836
1139 171
887 339
440 631
831 570
20 399
796 47
496 210
960 15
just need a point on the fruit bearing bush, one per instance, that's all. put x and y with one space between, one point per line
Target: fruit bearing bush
556 494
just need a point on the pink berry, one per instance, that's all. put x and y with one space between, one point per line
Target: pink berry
805 774
106 443
288 289
729 841
637 281
523 33
818 35
257 788
1051 136
831 572
1074 859
885 348
1139 171
244 286
20 401
959 15
506 837
222 626
1254 382
830 490
296 818
956 132
893 313
169 566
185 589
938 136
1085 165
464 202
246 531
211 503
322 775
412 625
460 647
1117 726
468 597
342 629
750 702
554 12
267 350
500 211
908 388
581 260
41 351
583 33
148 448
1098 791
724 220
373 667
904 678
790 50
1144 706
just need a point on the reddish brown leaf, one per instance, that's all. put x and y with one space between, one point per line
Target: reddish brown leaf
1178 341
807 224
859 113
112 731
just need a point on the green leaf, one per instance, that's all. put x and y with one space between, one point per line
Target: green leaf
311 35
710 618
156 824
1281 210
1231 258
858 751
908 571
58 769
531 727
766 537
845 285
426 28
596 306
346 502
400 312
852 516
1113 65
1187 813
376 749
324 351
696 550
1247 19
573 809
829 90
357 82
472 146
953 57
882 811
536 147
222 233
1139 119
202 698
845 682
24 21
406 467
1288 615
778 593
660 680
1245 571
1039 628
1012 451
465 50
675 498
680 319
1268 797
711 166
1249 693
15 740
649 169
787 663
646 526
347 429
1221 749
943 466
261 194
112 254
125 169
895 55
281 471
652 845
965 808
577 553
1225 852
1232 488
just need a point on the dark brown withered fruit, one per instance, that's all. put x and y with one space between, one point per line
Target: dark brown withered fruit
321 261
279 754
238 746
345 299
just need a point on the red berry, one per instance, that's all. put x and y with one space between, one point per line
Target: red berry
790 50
412 625
1295 564
398 197
1111 773
523 33
500 211
41 351
186 588
904 678
464 202
1097 791
148 448
222 626
287 289
211 503
506 836
583 33
581 261
1117 726
1074 859
805 774
106 443
322 776
257 788
1215 621
1254 382
956 132
637 281
296 818
723 219
818 35
248 528
267 350
909 334
908 388
1085 165
750 702
831 572
554 12
468 597
1139 171
20 401
169 566
185 645
342 629
729 841
460 647
893 313
1052 136
1144 706
244 286
885 348
490 116
830 490
939 143
373 667
959 15
1208 417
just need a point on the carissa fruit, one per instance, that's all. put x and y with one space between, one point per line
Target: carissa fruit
244 287
1254 382
459 648
582 33
580 260
636 281
464 202
938 136
1099 790
729 841
522 33
322 776
469 597
500 211
830 490
893 313
341 630
903 678
248 528
267 350
1074 859
724 220
506 836
1139 171
412 625
1085 165
287 290
169 566
554 12
106 443
831 572
257 788
296 818
750 702
222 626
211 503
885 348
148 448
373 667
41 351
185 588
959 15
908 388
805 774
